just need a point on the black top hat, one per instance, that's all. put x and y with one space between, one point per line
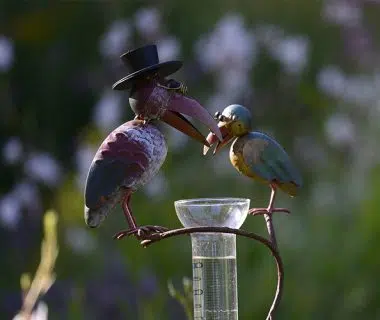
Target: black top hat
144 61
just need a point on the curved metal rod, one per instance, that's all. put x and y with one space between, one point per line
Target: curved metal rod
280 267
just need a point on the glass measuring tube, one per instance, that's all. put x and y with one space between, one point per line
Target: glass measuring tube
214 254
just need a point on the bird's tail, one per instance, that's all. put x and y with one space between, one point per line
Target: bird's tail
289 187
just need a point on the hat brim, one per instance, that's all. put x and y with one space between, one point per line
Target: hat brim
163 68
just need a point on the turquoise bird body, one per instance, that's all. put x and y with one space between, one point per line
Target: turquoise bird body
262 158
256 155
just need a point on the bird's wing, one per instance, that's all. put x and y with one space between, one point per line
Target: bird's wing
119 162
105 177
267 159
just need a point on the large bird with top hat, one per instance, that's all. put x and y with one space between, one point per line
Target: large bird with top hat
133 153
256 155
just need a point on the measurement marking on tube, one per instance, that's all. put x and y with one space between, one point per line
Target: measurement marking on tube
199 318
197 306
198 292
197 279
197 265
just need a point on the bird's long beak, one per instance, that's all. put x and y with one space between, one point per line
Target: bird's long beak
180 105
227 136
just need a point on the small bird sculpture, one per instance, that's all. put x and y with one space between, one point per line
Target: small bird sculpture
256 155
133 153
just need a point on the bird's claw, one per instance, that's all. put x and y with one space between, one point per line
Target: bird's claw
141 233
268 211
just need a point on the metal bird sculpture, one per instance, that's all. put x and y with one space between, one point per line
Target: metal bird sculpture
133 153
255 155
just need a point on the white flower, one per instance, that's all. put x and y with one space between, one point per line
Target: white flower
10 210
12 150
83 159
234 82
108 111
148 21
168 49
24 194
27 193
342 12
360 89
116 39
43 167
292 52
340 130
331 80
80 240
229 45
157 188
6 53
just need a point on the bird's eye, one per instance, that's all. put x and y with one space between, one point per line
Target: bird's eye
234 117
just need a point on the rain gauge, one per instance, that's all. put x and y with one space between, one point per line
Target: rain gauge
214 254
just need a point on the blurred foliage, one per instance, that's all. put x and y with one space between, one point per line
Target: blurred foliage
32 290
309 71
185 298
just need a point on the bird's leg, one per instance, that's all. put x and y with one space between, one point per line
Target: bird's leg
270 209
127 212
268 215
142 232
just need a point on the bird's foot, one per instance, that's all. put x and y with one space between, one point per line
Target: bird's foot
141 233
268 211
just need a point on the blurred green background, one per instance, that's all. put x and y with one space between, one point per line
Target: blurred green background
308 70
